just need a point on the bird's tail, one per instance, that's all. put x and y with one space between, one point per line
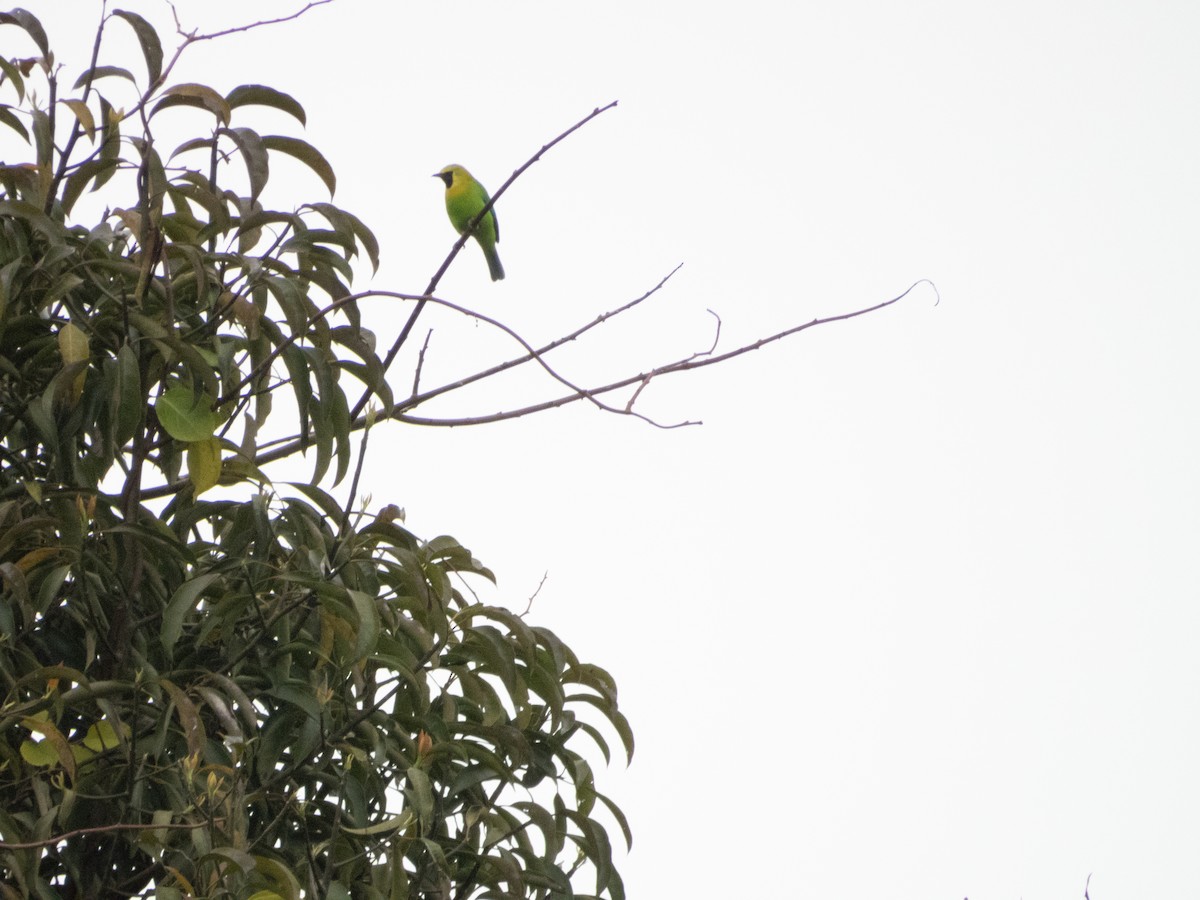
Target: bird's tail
493 261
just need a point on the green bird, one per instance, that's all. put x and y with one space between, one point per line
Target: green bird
465 199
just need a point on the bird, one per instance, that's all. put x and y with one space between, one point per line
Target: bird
465 199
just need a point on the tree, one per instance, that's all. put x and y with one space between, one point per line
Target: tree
257 690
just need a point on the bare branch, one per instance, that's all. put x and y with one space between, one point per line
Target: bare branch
421 363
418 399
537 357
716 337
462 240
690 362
97 829
533 596
193 38
274 451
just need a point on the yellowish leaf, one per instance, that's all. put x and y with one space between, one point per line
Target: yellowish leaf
84 115
204 464
73 347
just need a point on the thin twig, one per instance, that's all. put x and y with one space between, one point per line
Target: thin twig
421 362
194 38
690 362
693 361
96 829
462 240
417 399
533 596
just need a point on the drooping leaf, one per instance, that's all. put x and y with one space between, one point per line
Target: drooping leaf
73 347
92 75
13 74
198 95
182 602
306 153
204 464
7 117
344 221
23 18
264 95
84 115
254 155
148 38
94 172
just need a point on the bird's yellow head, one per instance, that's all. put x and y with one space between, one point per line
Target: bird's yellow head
451 173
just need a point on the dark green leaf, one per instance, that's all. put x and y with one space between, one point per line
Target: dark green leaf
33 217
151 46
181 604
306 153
13 74
27 20
195 95
347 222
254 154
90 76
263 95
91 171
7 118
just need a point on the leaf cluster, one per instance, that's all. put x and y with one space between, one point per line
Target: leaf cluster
254 691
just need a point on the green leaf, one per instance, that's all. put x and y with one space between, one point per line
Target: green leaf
8 118
129 404
254 153
97 72
198 95
344 221
617 814
13 74
619 723
181 604
40 754
110 146
419 794
186 415
594 843
43 143
84 115
263 95
306 153
204 465
239 859
148 38
299 695
390 825
280 876
367 633
27 20
99 170
204 143
189 715
101 736
34 217
57 741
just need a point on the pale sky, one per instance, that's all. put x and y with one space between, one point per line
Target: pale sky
914 613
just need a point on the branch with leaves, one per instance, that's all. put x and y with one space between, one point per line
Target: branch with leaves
259 691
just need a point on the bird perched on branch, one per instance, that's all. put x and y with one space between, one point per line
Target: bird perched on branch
465 199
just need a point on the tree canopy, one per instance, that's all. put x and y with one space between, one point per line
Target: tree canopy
213 684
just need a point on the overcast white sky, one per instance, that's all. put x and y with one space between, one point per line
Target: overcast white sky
914 613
